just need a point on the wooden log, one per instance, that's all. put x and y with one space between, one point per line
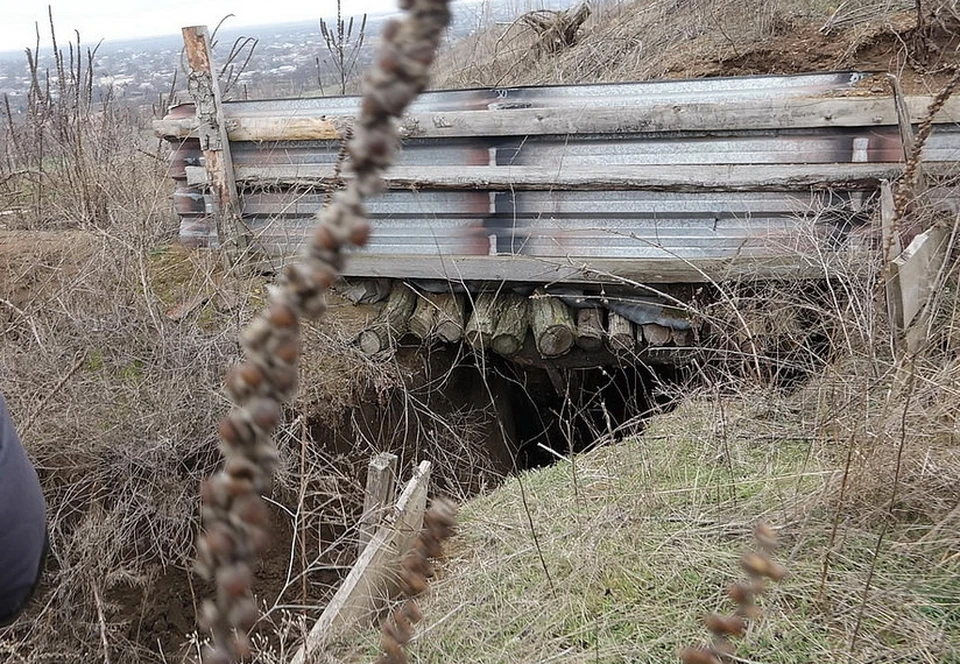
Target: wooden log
483 321
449 323
512 325
684 338
620 338
423 320
393 321
365 291
657 335
373 578
378 498
590 329
553 328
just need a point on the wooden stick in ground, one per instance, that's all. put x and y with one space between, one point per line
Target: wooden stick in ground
378 498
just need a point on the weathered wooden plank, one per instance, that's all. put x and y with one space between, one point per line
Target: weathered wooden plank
372 580
630 177
552 324
512 324
378 498
918 267
590 329
792 113
213 135
600 270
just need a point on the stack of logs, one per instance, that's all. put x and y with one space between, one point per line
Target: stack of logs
499 321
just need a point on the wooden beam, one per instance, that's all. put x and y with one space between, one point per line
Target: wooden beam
372 580
212 132
378 498
640 118
423 320
657 335
588 271
697 178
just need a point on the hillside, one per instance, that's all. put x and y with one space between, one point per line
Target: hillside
115 341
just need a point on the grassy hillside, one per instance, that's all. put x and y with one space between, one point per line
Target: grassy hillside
115 343
616 555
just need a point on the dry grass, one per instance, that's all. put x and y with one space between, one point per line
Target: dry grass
116 397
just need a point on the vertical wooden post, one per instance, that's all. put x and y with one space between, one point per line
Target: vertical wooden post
381 474
890 237
212 132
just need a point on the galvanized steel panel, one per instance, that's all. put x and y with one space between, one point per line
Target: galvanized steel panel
552 235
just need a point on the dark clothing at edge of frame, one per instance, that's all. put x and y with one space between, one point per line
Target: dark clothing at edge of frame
23 537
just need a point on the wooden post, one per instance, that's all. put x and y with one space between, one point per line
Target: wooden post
212 131
381 474
511 329
552 325
908 139
373 578
590 329
892 248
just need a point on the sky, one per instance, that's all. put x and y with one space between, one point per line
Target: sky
129 19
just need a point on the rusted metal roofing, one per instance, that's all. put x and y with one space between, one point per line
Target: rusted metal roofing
577 183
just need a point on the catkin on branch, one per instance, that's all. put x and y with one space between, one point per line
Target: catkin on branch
416 568
234 516
759 567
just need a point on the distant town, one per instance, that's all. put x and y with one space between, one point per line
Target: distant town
281 60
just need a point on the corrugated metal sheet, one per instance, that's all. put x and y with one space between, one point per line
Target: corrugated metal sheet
479 230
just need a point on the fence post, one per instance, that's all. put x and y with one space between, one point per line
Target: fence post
212 132
378 500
